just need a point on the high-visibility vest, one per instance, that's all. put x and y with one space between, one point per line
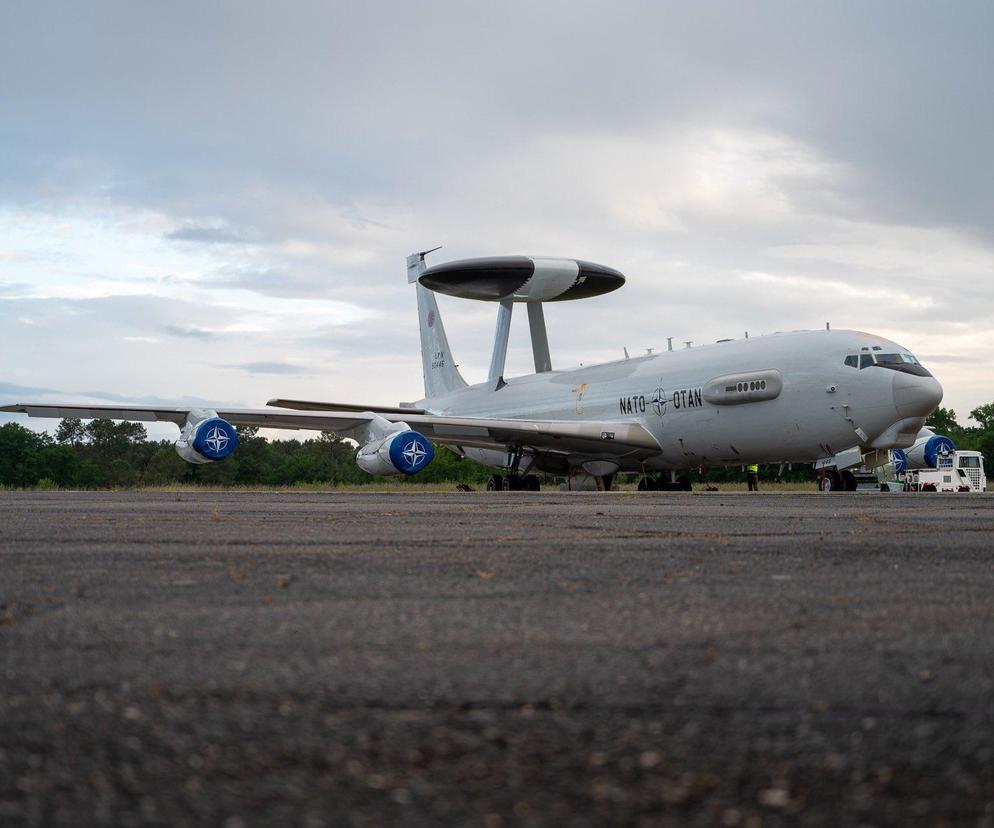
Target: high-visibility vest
753 469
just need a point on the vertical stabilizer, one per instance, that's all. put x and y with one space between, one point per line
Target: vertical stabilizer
440 372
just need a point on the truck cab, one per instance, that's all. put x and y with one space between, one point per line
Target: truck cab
971 463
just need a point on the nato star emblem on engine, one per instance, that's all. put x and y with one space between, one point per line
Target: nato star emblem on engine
217 439
414 452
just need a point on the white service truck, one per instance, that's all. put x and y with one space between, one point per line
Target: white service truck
933 464
957 471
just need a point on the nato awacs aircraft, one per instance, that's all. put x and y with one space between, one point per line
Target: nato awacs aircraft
833 398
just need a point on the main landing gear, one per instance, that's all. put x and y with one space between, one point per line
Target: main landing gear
513 483
836 481
658 484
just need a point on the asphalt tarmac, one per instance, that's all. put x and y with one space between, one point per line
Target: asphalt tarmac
496 659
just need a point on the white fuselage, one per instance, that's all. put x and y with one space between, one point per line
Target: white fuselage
823 406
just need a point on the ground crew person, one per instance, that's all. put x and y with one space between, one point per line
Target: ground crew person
752 477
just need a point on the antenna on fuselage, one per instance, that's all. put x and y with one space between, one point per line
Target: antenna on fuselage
669 343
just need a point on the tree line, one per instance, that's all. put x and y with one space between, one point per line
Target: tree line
107 454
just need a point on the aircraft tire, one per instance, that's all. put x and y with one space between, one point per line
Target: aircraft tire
848 480
831 482
495 483
532 483
684 482
513 483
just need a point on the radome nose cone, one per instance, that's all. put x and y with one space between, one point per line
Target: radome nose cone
916 396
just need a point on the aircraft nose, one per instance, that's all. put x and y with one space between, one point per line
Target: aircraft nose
916 396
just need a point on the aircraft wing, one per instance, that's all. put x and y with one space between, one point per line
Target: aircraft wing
256 417
616 438
310 405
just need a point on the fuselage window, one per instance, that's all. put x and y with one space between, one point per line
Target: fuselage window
752 385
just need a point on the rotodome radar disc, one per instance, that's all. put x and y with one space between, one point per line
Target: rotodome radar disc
521 279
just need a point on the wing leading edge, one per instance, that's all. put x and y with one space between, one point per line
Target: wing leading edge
615 438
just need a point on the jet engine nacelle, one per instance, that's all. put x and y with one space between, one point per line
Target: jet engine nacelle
206 439
402 452
924 453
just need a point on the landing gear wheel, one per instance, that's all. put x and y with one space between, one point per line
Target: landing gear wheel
532 483
684 482
513 483
848 481
831 482
495 483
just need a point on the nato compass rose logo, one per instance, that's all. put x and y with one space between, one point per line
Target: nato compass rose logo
414 453
217 439
659 401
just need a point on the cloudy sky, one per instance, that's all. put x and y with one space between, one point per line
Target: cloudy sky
214 201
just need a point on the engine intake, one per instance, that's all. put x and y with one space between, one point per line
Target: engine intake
927 449
207 440
403 452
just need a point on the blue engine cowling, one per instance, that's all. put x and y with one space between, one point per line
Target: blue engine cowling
925 453
404 452
207 441
900 459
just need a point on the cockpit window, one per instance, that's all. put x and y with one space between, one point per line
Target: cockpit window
897 362
852 361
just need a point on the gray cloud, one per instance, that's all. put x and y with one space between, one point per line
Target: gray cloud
206 234
10 390
269 368
188 332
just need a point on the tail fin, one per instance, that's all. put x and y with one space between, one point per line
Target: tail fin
440 370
